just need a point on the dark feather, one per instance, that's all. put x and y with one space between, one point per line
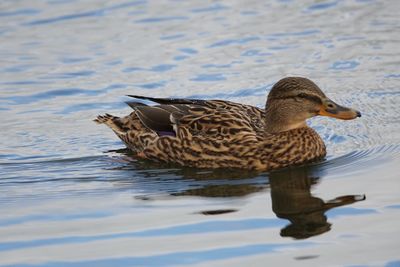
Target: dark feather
134 104
158 118
171 100
177 108
155 118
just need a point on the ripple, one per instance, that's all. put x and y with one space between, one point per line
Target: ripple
93 13
22 82
172 37
53 217
348 211
218 66
188 229
345 65
208 77
361 160
91 106
70 75
188 50
254 52
20 12
162 67
21 160
26 99
397 76
293 34
58 73
257 91
73 60
323 5
180 58
161 19
18 68
156 68
187 257
152 85
211 8
240 41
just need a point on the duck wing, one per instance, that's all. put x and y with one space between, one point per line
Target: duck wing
171 101
214 118
161 118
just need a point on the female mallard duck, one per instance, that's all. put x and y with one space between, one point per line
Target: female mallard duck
223 134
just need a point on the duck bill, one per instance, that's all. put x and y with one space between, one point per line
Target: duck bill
331 109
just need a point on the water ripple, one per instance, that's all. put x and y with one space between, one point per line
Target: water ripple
161 19
212 8
185 258
20 12
26 99
198 228
93 13
64 62
240 41
359 160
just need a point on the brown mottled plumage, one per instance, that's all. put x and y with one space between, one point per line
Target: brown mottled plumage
223 134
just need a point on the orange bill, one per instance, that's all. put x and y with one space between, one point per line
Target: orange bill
331 109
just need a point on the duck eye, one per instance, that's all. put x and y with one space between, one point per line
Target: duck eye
330 105
311 98
302 95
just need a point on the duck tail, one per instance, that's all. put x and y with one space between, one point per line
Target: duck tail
111 121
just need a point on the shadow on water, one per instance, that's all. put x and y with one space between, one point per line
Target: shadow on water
292 200
290 191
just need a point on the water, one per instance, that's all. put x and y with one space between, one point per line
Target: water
71 195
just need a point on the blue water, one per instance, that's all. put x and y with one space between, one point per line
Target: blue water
70 194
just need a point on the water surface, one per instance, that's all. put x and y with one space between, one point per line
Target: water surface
71 195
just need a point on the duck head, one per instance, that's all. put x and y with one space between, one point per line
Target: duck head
293 100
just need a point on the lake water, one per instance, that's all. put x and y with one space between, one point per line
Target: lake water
70 195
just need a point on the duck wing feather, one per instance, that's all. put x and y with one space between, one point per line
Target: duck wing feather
217 118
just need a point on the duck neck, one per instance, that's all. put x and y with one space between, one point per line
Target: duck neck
277 120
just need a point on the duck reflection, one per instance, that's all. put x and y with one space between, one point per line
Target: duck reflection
290 191
225 190
291 197
292 200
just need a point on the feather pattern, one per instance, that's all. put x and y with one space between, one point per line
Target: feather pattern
224 134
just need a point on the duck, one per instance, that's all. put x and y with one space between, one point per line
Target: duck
217 134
